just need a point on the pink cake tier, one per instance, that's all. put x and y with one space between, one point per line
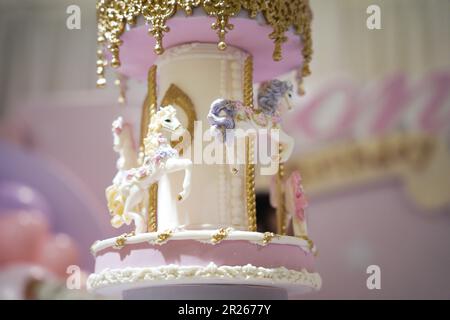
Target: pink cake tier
207 256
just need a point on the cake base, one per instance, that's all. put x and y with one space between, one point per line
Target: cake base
115 282
206 292
139 266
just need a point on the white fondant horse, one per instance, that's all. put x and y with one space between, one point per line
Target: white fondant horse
128 196
124 145
295 203
274 100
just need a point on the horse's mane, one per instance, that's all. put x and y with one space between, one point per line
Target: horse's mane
151 142
269 94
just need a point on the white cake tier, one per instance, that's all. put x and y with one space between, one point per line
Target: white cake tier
203 74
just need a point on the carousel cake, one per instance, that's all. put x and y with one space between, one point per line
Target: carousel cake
188 188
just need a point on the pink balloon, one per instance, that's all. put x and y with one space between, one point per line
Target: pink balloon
22 232
57 253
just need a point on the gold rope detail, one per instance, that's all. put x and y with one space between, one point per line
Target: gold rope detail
248 81
281 208
148 107
249 149
250 184
148 110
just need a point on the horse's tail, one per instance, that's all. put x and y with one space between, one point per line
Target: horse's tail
111 193
220 122
115 204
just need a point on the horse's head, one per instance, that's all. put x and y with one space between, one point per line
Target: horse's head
221 116
275 95
122 134
117 130
165 120
117 126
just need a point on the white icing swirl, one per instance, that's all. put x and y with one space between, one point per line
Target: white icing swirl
247 273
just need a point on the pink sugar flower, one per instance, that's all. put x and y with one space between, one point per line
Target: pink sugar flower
300 201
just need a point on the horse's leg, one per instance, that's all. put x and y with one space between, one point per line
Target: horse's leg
134 198
144 210
173 165
187 179
237 150
233 158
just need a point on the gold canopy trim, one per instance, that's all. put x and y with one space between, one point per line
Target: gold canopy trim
281 15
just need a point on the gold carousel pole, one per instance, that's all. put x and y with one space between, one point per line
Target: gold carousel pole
249 149
148 110
281 208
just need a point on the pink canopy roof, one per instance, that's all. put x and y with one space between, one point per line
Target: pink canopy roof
137 55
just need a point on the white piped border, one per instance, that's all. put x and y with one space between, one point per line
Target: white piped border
174 274
205 236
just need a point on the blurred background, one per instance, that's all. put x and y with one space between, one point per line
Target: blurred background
372 133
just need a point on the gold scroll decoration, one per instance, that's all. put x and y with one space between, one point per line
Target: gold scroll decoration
178 98
281 15
250 197
148 110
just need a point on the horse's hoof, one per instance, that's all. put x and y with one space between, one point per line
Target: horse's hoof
180 197
234 171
